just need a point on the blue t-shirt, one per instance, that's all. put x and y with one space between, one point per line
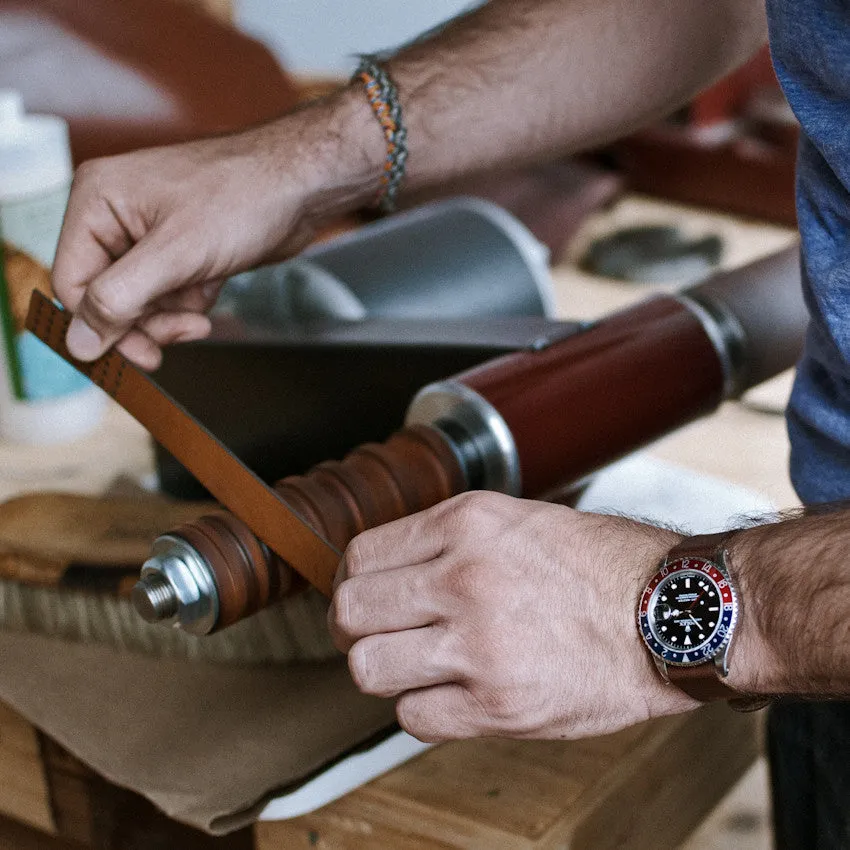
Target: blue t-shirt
810 41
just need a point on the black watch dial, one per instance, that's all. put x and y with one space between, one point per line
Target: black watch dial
686 611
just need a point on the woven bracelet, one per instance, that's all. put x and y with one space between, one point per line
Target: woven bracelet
383 98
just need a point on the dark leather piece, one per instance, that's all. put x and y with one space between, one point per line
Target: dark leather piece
578 403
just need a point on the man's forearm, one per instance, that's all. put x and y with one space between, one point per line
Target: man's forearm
520 80
523 79
514 80
795 587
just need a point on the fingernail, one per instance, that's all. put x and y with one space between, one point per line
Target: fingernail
82 341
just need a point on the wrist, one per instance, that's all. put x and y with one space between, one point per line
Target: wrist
650 551
756 665
334 149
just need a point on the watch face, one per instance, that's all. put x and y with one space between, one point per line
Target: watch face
687 611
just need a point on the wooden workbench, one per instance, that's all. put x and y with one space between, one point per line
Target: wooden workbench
627 790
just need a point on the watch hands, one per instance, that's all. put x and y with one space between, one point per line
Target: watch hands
691 606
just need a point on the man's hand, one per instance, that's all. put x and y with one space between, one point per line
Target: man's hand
148 237
489 615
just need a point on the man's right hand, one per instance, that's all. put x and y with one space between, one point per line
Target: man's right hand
149 237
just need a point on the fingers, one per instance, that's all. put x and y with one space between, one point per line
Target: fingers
415 539
115 300
166 328
142 345
401 599
140 349
446 712
198 298
121 250
178 317
92 238
387 665
143 225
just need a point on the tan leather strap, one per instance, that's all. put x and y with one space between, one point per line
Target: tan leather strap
706 546
223 474
703 681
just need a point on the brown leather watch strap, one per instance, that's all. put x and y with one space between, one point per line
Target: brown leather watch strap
699 546
221 472
701 681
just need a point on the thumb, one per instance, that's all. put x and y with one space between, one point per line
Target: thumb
117 298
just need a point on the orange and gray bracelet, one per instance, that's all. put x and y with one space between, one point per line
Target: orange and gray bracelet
383 97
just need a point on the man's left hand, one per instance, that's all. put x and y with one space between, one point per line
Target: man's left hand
489 615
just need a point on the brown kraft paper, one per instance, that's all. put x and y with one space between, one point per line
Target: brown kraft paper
209 745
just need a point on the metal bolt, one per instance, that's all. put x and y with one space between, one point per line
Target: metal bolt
154 598
177 588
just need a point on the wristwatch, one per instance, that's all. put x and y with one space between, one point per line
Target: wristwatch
687 618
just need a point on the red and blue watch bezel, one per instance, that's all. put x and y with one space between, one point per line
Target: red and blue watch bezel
722 634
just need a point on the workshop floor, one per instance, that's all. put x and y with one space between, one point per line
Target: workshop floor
742 820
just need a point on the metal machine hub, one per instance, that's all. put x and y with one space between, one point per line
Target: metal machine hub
177 588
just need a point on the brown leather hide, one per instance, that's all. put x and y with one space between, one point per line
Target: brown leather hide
133 73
